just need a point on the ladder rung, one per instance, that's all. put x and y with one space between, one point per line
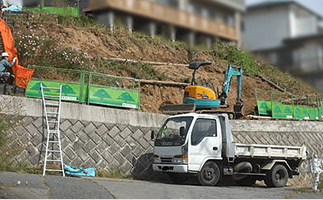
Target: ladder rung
53 113
53 131
54 160
51 96
55 151
51 104
51 141
54 170
53 122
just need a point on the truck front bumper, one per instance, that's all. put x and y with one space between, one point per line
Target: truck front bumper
170 168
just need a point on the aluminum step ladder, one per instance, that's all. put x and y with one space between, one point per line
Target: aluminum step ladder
52 109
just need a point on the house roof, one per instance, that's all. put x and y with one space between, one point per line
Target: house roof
270 4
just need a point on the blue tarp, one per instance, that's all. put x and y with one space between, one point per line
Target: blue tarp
79 171
13 9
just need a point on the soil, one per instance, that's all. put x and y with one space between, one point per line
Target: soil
122 45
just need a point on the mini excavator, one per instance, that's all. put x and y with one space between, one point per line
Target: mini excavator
202 99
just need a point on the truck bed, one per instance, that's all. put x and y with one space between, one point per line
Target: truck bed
269 151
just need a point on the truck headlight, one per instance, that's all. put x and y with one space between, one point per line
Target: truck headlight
156 159
180 158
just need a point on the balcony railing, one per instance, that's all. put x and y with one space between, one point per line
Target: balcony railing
163 13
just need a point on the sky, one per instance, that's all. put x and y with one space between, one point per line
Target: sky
315 5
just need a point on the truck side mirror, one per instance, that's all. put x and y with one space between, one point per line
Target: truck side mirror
182 131
152 135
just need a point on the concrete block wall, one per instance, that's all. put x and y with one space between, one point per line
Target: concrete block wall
107 138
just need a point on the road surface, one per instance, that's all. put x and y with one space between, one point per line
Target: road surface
31 186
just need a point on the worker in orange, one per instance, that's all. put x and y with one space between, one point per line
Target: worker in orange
5 67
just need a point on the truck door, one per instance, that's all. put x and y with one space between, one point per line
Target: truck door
205 143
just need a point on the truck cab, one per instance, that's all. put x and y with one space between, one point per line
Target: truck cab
202 144
177 139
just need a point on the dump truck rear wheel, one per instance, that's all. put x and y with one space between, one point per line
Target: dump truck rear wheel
210 174
277 177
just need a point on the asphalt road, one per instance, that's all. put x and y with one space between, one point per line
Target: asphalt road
31 186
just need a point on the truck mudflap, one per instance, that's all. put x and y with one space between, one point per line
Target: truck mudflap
170 168
295 172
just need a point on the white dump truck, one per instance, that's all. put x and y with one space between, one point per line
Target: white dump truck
203 144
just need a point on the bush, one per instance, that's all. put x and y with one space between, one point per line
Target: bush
34 48
221 51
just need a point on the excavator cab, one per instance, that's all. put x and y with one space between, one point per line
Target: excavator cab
198 94
195 66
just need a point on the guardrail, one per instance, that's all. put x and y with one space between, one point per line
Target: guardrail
86 87
285 106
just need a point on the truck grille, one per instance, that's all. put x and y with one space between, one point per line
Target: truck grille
166 159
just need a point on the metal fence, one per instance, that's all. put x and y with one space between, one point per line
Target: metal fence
285 106
86 87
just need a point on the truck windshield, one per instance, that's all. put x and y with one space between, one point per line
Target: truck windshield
169 134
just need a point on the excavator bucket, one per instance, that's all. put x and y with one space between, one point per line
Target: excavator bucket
172 109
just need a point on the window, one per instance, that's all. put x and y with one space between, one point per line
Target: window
195 8
203 128
211 13
228 18
170 135
172 3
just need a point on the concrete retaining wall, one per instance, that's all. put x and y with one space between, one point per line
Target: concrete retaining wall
107 138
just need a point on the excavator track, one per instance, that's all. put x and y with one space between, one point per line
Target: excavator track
172 109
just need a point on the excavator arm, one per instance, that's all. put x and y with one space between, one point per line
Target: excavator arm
228 74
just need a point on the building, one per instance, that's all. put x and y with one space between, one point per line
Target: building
193 21
289 35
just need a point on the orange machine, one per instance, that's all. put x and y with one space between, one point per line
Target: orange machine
199 92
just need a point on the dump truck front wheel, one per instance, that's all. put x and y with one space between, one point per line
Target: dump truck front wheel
210 174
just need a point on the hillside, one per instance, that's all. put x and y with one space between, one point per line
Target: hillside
81 43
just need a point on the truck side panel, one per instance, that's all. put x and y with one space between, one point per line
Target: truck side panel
269 151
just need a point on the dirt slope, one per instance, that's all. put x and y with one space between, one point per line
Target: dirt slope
123 45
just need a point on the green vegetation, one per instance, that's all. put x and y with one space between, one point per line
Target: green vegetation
233 55
33 48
